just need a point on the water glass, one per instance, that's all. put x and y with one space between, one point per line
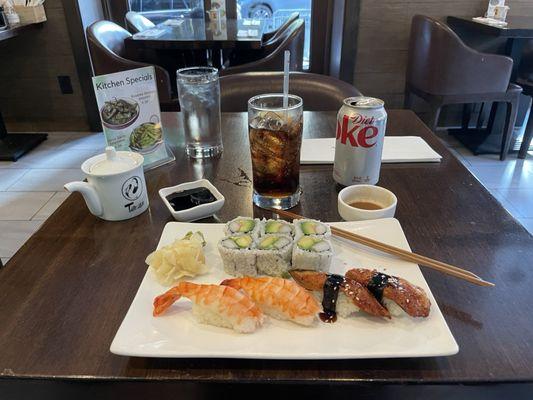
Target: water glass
275 135
199 96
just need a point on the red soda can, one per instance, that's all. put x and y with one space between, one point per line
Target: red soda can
361 124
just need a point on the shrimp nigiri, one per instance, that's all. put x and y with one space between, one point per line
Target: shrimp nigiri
280 298
215 305
352 296
392 289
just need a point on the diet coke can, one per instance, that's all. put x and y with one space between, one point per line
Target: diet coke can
361 123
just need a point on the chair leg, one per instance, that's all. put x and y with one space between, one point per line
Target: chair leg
433 118
480 117
492 116
467 115
510 119
528 135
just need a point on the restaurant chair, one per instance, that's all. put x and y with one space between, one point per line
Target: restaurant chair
442 70
107 51
136 22
270 41
292 39
319 92
525 79
273 34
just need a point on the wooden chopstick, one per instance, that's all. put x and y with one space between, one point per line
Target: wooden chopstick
400 253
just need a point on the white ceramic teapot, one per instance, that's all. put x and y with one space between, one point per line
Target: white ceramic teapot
115 189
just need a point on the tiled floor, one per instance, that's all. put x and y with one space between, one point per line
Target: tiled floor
32 188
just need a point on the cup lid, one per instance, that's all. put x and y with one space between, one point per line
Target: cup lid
112 162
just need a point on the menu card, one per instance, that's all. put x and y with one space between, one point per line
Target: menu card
128 105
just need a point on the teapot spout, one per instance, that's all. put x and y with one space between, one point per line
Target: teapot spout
89 194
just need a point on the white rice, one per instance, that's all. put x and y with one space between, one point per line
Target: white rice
298 228
236 261
209 315
274 262
309 259
345 306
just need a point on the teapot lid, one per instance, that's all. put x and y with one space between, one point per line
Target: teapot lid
113 162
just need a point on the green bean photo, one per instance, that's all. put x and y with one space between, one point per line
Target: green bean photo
146 135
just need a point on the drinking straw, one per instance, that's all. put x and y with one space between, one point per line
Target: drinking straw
286 64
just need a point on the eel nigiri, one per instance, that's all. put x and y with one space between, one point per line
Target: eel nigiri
352 296
280 298
410 298
215 305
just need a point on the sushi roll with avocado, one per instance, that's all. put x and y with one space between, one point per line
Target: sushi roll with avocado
305 227
273 254
238 256
277 226
243 225
312 252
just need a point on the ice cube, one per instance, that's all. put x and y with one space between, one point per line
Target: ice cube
270 120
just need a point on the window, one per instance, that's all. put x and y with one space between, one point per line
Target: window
160 10
275 12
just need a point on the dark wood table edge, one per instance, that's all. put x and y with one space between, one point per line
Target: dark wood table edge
503 32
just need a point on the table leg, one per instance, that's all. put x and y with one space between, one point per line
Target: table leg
14 146
514 49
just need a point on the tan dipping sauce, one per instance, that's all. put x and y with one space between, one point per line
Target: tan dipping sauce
365 205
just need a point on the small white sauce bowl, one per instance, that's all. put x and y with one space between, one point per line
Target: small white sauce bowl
370 193
197 212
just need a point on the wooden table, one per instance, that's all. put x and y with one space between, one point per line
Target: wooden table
518 30
199 34
66 291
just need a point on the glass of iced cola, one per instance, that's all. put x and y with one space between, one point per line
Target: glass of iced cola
275 139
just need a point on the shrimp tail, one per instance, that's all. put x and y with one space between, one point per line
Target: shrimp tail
165 300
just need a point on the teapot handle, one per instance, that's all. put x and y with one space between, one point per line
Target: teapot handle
89 194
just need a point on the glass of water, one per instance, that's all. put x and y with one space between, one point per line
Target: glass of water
199 96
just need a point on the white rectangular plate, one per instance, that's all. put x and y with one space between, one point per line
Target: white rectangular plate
176 333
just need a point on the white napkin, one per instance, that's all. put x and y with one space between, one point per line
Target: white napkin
490 21
173 22
396 149
150 33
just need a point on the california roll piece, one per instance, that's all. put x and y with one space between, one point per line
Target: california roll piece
238 256
243 225
277 226
312 253
273 254
305 227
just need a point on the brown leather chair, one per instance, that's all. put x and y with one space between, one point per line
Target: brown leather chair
136 22
442 70
275 33
292 39
107 50
319 92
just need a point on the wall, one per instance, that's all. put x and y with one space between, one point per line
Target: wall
384 28
30 98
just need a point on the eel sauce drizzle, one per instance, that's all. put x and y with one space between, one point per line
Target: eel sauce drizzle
377 284
329 301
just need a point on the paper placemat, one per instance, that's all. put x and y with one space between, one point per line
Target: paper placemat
396 149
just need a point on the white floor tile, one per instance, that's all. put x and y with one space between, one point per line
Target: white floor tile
496 193
10 176
95 141
22 206
15 234
521 200
46 180
527 223
507 176
5 260
56 157
48 209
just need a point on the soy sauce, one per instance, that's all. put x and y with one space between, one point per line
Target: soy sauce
329 302
190 198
